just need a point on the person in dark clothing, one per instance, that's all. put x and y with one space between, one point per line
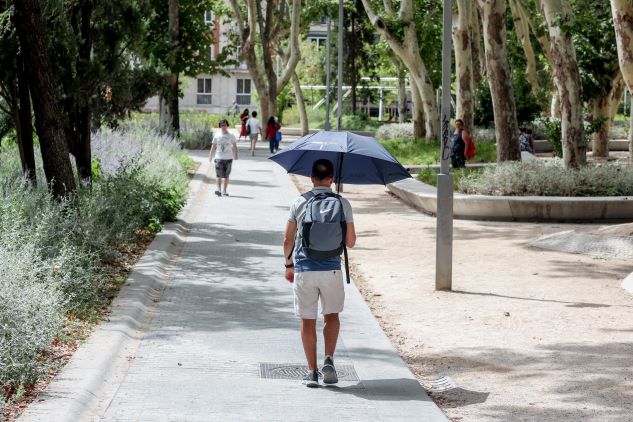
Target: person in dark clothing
459 145
272 127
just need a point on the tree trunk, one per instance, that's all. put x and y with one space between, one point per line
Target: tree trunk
522 27
83 153
30 29
24 124
499 79
477 55
603 109
402 95
558 15
419 128
409 52
464 63
631 135
623 23
554 109
301 104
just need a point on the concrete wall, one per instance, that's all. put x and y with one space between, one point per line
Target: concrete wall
519 208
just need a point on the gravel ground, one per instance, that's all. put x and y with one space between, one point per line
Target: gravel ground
526 334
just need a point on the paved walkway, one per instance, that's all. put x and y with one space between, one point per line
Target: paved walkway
225 312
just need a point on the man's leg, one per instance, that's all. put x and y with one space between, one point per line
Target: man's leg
331 327
218 182
226 183
309 340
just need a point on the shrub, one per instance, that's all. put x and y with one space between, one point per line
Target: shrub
552 131
53 253
395 130
30 313
542 178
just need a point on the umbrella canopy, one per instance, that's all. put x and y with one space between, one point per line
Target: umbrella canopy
360 160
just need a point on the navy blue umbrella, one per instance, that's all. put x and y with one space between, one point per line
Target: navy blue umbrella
357 159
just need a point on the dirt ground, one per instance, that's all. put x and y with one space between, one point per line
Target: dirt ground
526 334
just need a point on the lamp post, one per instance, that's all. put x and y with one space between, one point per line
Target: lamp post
327 74
339 109
444 234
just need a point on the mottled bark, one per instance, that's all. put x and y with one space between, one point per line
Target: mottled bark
479 61
622 11
419 127
558 15
53 145
499 79
408 51
402 96
462 42
263 29
631 135
602 109
303 114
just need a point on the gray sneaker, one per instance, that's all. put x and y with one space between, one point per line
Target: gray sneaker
329 372
311 379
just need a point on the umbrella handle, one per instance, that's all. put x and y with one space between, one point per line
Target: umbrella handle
341 156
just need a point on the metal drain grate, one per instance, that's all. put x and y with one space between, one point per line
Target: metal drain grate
443 383
289 371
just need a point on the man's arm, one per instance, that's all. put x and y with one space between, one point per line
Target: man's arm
234 150
350 236
212 153
289 241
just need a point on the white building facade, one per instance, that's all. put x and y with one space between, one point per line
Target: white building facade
215 94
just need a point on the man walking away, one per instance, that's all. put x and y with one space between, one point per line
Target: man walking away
316 278
254 127
223 151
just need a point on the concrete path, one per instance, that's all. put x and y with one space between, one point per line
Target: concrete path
225 316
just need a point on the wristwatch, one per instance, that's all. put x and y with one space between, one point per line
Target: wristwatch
290 265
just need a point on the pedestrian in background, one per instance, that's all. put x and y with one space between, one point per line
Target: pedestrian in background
459 145
272 127
243 119
253 128
223 152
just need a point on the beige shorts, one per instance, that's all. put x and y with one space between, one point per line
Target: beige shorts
311 285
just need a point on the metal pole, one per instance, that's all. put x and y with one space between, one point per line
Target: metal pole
444 235
339 110
328 71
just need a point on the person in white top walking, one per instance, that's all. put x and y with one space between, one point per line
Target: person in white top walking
223 151
254 128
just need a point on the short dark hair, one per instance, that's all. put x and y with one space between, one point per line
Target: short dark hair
226 122
459 121
254 114
322 169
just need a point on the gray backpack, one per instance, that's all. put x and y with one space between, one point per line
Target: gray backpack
323 227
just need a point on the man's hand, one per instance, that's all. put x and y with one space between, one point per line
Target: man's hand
290 274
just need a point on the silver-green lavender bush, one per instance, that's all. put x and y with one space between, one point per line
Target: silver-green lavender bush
550 178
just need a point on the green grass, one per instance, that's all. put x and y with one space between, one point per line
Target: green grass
429 175
316 120
421 151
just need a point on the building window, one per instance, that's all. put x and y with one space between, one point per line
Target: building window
320 41
209 19
204 91
243 91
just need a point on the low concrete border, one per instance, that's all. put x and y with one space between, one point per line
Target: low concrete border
82 391
517 208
